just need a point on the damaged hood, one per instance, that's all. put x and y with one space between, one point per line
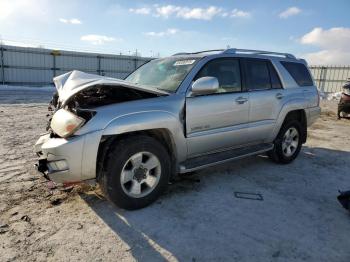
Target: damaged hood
75 81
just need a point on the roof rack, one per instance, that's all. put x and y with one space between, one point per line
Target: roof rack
256 52
200 52
237 51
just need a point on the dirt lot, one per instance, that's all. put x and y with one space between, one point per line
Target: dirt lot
196 220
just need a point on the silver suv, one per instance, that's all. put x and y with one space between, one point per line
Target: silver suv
176 115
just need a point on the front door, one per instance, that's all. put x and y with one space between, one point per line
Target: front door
220 120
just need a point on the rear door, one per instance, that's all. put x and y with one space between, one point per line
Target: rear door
218 121
266 97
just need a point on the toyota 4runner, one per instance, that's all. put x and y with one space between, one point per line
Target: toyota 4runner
176 115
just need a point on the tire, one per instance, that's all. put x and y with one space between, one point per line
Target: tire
126 179
280 154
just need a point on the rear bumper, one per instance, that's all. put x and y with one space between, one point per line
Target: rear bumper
68 160
312 114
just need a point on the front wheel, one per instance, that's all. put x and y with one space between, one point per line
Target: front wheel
287 144
136 172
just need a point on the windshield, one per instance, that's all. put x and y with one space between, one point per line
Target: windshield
165 74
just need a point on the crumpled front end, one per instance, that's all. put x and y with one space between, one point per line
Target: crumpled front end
68 154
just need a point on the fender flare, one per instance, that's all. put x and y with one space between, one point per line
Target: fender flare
150 120
289 106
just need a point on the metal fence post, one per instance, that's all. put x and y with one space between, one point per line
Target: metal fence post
99 65
54 53
2 65
135 62
323 75
54 65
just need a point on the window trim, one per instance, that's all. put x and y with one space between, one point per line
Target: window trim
243 89
278 77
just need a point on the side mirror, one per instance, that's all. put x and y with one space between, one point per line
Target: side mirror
205 85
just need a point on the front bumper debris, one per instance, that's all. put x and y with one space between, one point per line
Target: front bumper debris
59 158
68 160
41 166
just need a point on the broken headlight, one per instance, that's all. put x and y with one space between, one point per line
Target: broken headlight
65 123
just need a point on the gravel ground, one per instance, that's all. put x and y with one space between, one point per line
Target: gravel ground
197 219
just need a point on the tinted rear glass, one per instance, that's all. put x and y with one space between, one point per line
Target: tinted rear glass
299 72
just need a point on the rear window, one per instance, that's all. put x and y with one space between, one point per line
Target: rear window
299 73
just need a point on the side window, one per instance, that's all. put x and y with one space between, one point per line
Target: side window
227 71
275 80
257 74
299 73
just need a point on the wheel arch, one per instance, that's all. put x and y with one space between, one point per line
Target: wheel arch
162 135
300 116
295 113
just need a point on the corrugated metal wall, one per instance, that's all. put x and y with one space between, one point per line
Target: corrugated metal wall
37 66
330 78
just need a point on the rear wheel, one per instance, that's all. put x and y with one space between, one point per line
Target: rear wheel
288 143
136 173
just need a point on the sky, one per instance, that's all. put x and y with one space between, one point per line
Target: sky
318 31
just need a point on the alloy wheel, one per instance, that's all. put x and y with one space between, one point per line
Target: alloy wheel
140 174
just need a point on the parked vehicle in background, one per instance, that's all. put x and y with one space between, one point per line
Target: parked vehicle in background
176 115
344 102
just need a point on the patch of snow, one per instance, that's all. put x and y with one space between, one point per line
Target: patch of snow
334 96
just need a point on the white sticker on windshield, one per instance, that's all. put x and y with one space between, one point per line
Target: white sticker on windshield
184 62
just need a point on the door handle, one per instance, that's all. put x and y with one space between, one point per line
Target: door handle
279 96
241 100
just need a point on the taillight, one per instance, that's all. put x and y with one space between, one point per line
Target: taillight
65 123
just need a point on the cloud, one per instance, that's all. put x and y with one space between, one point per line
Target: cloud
98 39
291 11
328 57
184 12
168 32
140 11
166 11
11 10
198 13
18 43
239 13
73 21
336 38
334 43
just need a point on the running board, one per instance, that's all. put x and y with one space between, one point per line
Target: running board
200 162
